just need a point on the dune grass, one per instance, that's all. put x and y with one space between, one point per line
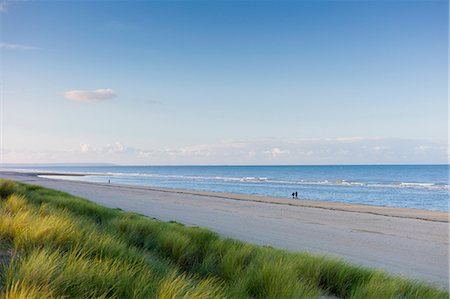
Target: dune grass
65 246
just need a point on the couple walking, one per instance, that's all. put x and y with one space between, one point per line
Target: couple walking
294 194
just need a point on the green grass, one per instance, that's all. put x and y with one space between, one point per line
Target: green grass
68 247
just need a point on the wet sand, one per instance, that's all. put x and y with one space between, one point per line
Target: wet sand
411 242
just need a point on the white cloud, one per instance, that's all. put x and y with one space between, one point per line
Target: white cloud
356 150
90 96
85 148
251 152
114 148
276 152
18 47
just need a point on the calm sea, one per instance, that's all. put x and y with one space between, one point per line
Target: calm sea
411 186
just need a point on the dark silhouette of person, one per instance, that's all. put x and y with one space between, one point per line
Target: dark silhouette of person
296 194
293 194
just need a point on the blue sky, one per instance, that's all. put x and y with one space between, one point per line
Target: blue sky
224 82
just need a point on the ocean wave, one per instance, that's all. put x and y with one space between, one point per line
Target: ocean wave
194 177
426 186
275 182
380 185
430 186
253 179
334 182
417 184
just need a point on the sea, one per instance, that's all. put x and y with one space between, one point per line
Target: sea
423 187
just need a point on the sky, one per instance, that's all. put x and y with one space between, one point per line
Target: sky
224 82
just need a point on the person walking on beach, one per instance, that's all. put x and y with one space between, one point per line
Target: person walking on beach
296 194
293 194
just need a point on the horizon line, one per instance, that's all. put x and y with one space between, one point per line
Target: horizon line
220 165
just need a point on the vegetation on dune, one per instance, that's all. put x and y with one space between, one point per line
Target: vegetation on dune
65 246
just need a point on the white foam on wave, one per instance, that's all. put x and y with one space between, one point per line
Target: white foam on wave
426 185
417 184
430 186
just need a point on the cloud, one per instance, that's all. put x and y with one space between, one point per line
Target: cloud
115 148
267 151
90 96
276 152
18 47
85 148
346 150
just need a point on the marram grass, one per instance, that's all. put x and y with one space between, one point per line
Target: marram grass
68 247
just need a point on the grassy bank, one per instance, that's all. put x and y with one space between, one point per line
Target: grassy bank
65 246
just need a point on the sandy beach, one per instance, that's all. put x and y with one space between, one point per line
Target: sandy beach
414 243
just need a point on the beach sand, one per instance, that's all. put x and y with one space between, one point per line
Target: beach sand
410 242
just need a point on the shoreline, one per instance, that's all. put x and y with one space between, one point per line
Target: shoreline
427 215
410 213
